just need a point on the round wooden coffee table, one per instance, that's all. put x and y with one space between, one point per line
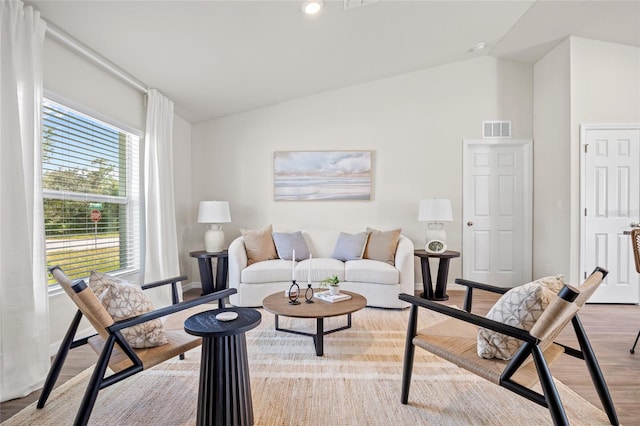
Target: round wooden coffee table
278 304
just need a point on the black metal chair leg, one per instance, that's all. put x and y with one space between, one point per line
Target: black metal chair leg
468 299
90 395
633 348
594 370
409 352
556 409
59 360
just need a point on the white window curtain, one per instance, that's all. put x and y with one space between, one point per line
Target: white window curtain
161 238
24 316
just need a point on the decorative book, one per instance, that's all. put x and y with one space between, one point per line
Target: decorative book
327 297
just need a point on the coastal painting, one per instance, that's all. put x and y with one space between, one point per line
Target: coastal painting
322 175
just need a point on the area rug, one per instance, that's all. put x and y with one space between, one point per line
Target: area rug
356 382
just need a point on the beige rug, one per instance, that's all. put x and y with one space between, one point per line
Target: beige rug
356 382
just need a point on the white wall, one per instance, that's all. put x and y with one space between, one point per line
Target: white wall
414 124
552 159
74 78
579 82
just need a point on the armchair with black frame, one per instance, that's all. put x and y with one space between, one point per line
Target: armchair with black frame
112 348
455 340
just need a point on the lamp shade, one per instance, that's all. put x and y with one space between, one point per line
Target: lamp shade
214 212
435 210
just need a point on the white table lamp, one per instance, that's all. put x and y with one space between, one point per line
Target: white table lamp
214 213
435 211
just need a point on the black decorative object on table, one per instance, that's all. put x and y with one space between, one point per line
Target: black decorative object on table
308 294
224 394
293 300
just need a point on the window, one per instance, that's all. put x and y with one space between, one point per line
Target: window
90 180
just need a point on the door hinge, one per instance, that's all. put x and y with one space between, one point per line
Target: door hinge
585 211
585 147
585 275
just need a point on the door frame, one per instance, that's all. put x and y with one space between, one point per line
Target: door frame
584 128
527 188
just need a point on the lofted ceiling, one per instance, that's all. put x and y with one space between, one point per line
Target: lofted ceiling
215 58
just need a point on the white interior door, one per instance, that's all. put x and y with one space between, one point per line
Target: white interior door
497 193
611 202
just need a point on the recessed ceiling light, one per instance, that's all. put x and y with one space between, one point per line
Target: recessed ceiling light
477 47
311 7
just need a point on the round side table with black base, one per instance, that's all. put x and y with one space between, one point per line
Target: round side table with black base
224 394
206 273
443 273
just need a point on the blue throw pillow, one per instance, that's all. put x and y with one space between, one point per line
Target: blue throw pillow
286 243
350 247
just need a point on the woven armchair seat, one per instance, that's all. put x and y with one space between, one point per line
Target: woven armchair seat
179 342
456 342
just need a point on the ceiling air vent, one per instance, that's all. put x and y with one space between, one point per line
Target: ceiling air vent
496 129
350 4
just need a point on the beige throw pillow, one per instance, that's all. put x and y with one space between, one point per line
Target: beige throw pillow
382 245
259 245
520 307
125 300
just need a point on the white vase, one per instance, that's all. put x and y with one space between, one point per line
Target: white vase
334 289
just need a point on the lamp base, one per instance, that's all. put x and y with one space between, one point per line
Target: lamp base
214 239
435 231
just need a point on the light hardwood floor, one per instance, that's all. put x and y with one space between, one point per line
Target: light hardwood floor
611 329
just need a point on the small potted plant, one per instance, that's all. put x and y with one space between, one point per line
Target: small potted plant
334 284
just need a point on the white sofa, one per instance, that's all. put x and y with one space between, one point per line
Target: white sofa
378 281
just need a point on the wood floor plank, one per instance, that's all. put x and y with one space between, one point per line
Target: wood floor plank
611 329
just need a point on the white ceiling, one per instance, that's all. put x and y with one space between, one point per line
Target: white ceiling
215 58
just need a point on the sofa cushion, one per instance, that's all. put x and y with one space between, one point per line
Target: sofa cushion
370 271
267 271
350 247
286 243
321 268
124 300
520 307
382 245
259 245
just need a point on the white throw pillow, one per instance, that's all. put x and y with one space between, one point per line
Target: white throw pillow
125 300
519 307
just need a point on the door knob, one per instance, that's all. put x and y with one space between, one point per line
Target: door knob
634 225
470 223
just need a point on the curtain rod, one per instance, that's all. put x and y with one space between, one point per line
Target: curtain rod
84 50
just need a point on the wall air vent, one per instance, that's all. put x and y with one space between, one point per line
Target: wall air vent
496 129
350 4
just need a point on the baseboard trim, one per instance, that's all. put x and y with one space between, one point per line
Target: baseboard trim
191 285
450 286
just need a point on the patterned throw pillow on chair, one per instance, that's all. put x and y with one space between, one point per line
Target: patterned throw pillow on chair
519 307
125 300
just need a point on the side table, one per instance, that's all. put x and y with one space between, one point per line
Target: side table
206 273
224 392
443 273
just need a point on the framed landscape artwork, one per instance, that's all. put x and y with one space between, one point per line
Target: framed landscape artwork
322 175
